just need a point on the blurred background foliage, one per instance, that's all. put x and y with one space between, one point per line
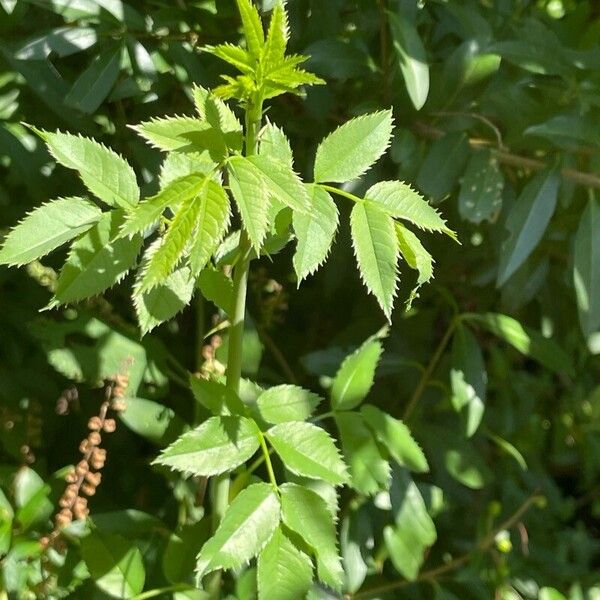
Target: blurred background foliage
497 111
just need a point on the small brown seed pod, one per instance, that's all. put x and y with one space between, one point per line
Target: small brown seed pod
88 490
84 446
118 405
95 423
110 425
71 477
93 478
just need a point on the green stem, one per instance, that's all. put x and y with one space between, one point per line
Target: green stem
220 484
267 455
340 192
428 372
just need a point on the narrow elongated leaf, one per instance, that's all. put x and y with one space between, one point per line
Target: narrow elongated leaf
248 524
306 513
220 444
308 450
314 231
172 133
275 145
586 269
356 375
400 201
415 256
376 250
146 213
527 222
414 531
283 403
396 438
481 188
468 378
248 189
526 340
95 83
352 148
234 55
164 301
369 470
282 183
106 174
213 220
411 57
63 41
284 571
48 227
95 261
115 564
253 31
177 164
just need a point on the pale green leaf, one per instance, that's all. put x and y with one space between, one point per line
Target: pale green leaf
96 261
527 222
234 55
352 148
356 375
466 464
526 340
415 256
178 164
106 174
314 231
468 378
115 564
252 199
275 145
308 450
306 513
215 286
414 531
246 528
369 470
147 212
220 444
151 420
165 300
215 396
411 57
94 84
281 183
586 269
213 221
395 436
277 38
173 133
481 188
284 571
286 402
376 249
48 227
400 201
62 41
252 25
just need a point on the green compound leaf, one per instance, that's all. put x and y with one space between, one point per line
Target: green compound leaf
314 231
356 375
415 256
284 403
468 378
115 564
309 451
411 58
147 212
252 25
106 174
165 300
178 164
171 133
396 438
277 37
586 270
95 261
213 221
414 531
307 514
220 444
526 340
400 201
247 526
215 396
376 249
275 145
369 470
284 572
234 55
527 222
46 228
281 183
352 148
251 197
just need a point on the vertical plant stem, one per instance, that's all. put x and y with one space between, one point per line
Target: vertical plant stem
220 484
428 372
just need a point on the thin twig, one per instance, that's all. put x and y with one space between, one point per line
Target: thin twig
484 544
513 160
277 354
